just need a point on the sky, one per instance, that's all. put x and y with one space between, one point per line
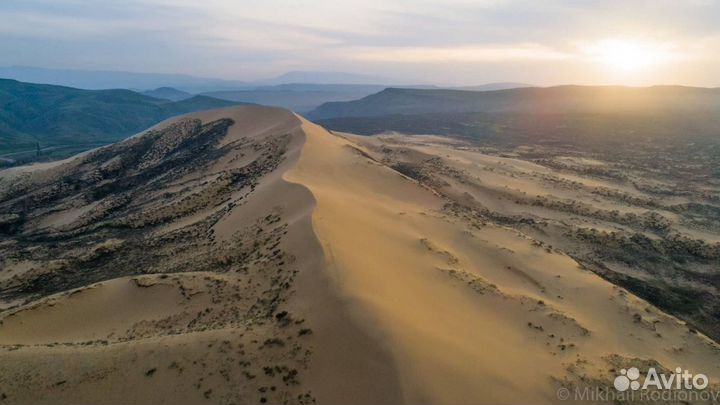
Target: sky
414 41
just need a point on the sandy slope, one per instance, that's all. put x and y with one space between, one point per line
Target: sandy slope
472 314
391 297
203 336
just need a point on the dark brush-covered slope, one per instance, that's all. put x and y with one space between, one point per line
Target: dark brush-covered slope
131 188
560 99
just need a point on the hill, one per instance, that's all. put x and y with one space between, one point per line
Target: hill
301 97
103 79
297 96
168 93
327 78
556 100
247 255
493 86
56 116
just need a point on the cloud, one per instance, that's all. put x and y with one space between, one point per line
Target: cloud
230 37
467 54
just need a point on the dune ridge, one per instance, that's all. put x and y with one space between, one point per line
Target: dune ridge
473 313
198 282
273 261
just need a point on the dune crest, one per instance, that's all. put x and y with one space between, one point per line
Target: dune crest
473 313
176 266
248 255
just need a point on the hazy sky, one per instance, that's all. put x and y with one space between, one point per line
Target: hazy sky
446 42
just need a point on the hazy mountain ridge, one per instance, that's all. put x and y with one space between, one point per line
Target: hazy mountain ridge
304 97
168 93
328 78
559 99
301 97
66 120
103 79
300 91
491 86
57 115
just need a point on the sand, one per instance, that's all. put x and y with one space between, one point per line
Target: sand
195 336
471 315
400 300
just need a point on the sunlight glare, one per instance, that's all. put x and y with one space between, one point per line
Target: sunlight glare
628 56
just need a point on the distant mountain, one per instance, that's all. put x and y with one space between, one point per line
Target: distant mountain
98 80
555 100
301 97
168 93
58 116
323 87
298 97
328 78
493 86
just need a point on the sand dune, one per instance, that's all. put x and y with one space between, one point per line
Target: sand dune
472 314
278 262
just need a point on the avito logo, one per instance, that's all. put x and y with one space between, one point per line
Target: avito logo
680 379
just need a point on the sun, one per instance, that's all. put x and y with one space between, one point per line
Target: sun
627 55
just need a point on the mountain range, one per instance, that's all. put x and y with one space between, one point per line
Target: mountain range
55 116
557 100
304 97
168 93
300 91
101 79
